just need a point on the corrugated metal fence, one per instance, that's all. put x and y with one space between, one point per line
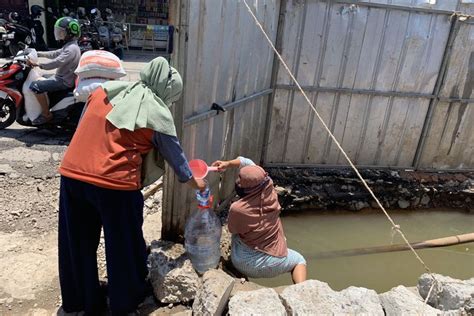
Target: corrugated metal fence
373 71
393 80
223 60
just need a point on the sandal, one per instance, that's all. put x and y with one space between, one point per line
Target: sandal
40 120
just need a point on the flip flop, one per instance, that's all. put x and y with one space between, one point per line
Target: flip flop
40 120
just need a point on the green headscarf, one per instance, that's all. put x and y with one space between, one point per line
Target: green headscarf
145 103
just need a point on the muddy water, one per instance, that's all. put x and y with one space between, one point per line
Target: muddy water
313 233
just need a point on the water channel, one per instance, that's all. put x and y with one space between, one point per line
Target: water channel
313 232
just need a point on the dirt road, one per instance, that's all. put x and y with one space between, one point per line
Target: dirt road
29 184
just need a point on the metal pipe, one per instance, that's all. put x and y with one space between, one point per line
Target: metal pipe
400 94
451 100
210 113
394 7
359 91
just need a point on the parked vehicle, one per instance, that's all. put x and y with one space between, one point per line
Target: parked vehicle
18 32
111 32
116 32
14 106
89 39
3 37
17 35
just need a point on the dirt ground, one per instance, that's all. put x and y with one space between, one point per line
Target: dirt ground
29 192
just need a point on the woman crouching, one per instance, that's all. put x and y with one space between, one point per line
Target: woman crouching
259 248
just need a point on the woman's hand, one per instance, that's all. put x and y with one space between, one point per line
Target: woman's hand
221 165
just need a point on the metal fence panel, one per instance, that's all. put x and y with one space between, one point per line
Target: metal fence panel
451 5
338 46
226 59
450 140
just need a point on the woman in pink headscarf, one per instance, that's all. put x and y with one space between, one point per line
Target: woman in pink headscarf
259 247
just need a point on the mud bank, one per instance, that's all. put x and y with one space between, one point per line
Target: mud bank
323 189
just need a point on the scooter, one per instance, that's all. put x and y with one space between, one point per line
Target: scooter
89 39
15 105
17 34
110 32
3 36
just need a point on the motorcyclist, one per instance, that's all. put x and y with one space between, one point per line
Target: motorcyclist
13 17
65 59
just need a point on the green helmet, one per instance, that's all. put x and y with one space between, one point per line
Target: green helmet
66 27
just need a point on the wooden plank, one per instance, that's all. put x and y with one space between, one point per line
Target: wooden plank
179 61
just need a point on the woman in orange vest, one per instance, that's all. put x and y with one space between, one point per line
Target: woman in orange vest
101 177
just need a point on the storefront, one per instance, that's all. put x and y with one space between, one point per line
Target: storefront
147 20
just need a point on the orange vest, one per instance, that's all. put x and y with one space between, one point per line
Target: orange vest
103 155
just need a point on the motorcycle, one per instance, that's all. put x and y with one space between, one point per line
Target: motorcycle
19 32
3 37
110 32
17 35
89 39
116 35
16 106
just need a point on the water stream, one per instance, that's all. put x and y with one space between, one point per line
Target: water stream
311 233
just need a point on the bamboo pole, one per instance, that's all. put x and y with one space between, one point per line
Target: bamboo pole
432 243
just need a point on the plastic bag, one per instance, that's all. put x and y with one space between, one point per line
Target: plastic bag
32 105
86 86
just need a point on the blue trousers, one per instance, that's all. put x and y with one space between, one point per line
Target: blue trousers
83 210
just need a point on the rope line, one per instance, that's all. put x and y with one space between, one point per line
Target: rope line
395 226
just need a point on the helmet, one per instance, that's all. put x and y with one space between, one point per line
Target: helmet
13 17
36 10
66 27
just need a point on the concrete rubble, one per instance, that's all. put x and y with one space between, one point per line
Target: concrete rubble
216 293
402 301
171 273
259 302
212 296
448 294
314 297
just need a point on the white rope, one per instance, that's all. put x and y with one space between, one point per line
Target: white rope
395 226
